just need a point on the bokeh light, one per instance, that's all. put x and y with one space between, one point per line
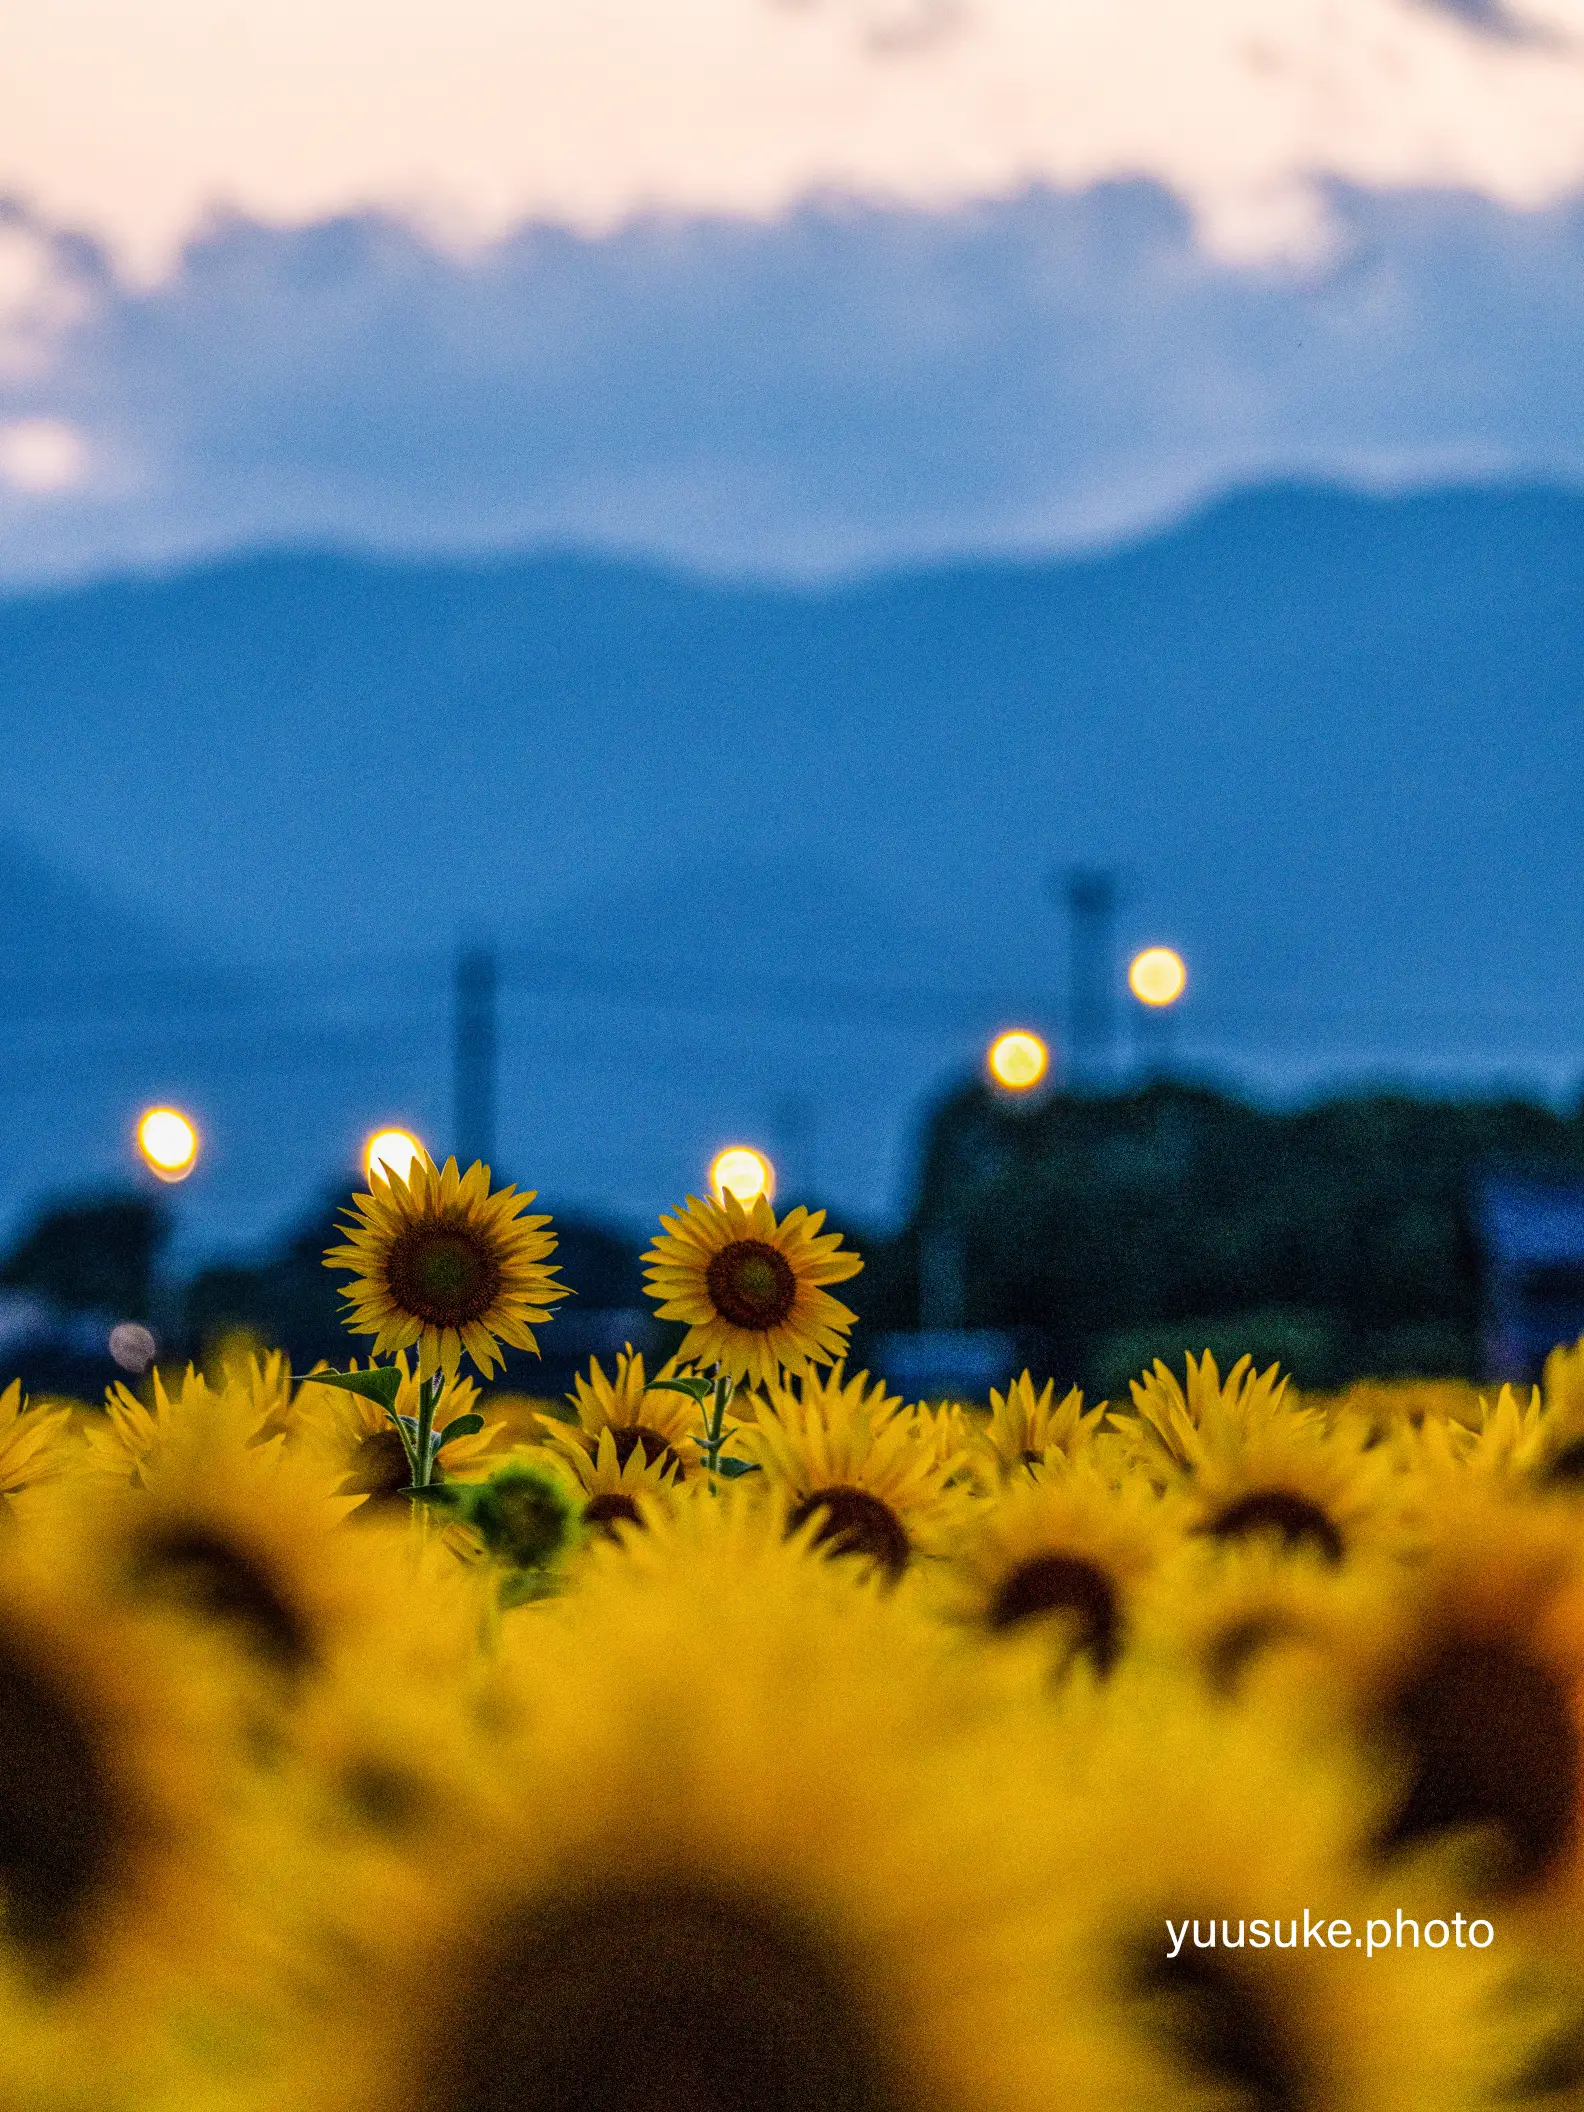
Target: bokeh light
390 1151
1018 1060
168 1142
741 1171
1157 976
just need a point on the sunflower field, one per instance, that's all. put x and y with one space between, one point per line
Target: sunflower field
739 1737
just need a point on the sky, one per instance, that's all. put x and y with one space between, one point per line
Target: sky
786 285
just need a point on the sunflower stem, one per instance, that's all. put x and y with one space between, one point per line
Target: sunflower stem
423 1447
715 1420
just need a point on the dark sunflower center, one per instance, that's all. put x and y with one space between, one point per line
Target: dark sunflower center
1492 1740
1054 1583
603 1514
629 1438
751 1285
219 1582
855 1522
1568 1464
59 1821
380 1471
445 1274
672 1999
1295 1518
1223 2032
1232 1651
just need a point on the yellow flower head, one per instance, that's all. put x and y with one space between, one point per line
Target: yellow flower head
354 1440
663 1426
35 1443
750 1289
1026 1427
861 1477
441 1263
1172 1421
1066 1551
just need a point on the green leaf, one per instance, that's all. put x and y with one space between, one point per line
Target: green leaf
732 1469
445 1493
459 1426
696 1389
382 1384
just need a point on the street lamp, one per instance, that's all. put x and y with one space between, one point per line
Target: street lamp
390 1154
168 1143
742 1171
1017 1060
1157 977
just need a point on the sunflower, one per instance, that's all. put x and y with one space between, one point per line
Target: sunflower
856 1476
35 1443
1068 1551
617 1485
1172 1420
749 1288
664 1427
123 1443
1292 1480
246 1543
1392 1408
126 1838
747 1861
1026 1427
1470 1679
355 1441
1207 1840
442 1263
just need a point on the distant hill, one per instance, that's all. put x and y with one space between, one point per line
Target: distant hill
1333 740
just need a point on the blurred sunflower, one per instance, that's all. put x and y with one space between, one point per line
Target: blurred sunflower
1558 1458
1217 1835
1291 1479
1068 1552
1393 1408
246 1542
1470 1678
747 1862
35 1444
856 1476
749 1288
1241 1613
442 1264
1026 1427
354 1441
123 1442
125 1842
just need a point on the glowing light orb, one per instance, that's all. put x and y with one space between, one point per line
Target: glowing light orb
168 1142
1157 976
390 1152
1018 1060
741 1171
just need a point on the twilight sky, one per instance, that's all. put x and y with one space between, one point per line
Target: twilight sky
790 285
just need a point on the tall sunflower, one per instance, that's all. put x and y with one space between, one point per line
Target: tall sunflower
750 1288
442 1264
857 1477
747 1862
